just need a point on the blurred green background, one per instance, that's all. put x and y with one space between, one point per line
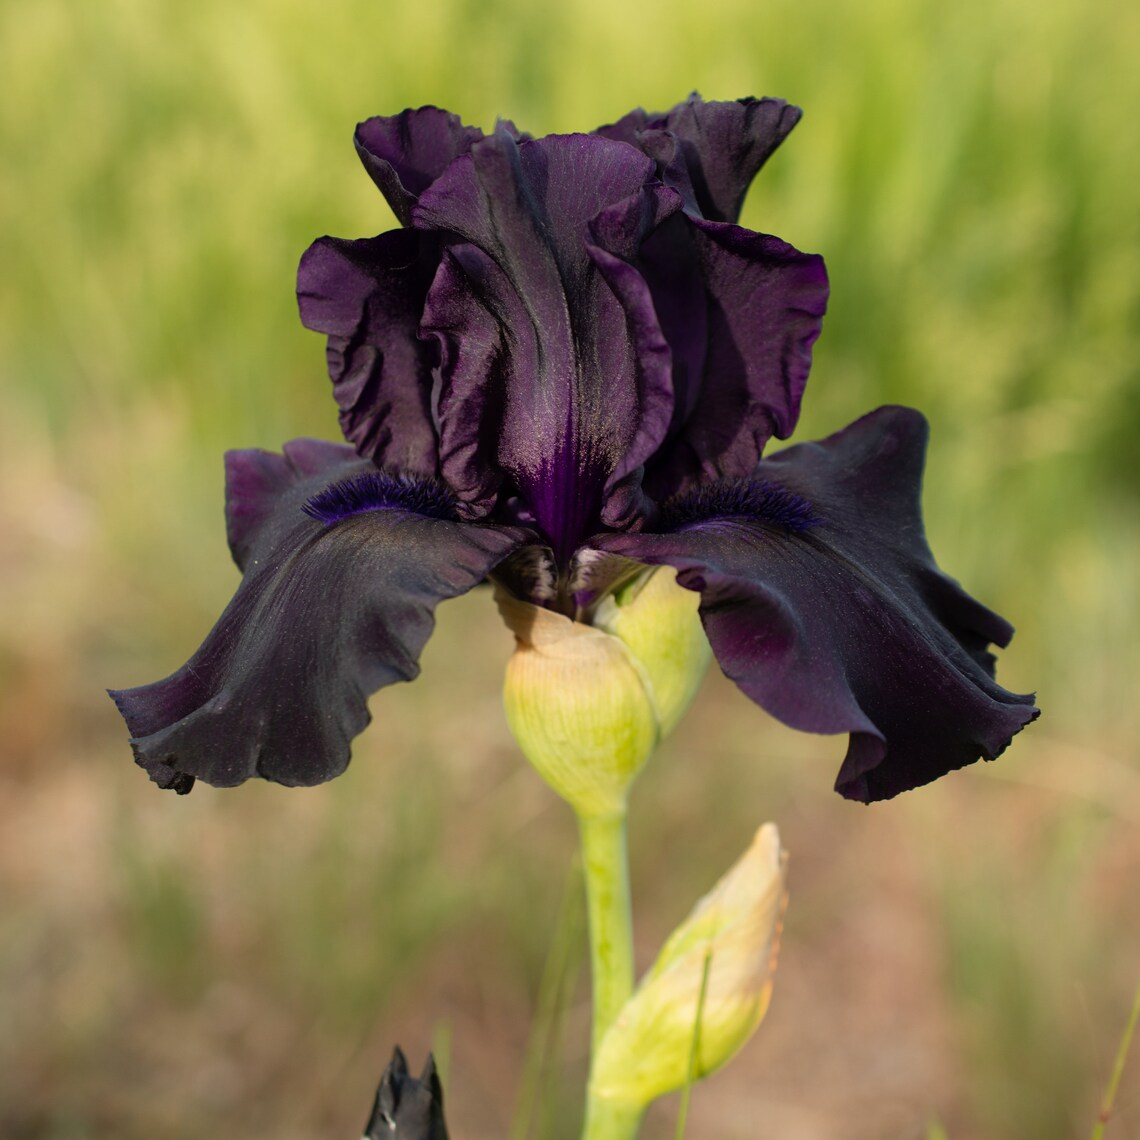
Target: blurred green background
956 963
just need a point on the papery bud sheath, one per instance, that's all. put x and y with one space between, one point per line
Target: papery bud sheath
708 990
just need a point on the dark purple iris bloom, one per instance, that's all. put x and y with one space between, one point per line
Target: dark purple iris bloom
569 361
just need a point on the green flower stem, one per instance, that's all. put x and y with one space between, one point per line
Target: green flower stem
605 862
1117 1069
606 1120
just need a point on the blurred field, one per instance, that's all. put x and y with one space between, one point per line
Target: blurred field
957 963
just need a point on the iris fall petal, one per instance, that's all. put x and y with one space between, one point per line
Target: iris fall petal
327 613
840 621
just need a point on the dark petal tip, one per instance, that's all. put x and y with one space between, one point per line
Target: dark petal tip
710 151
406 1107
405 153
160 770
181 783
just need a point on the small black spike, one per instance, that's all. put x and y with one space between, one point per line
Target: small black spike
407 1108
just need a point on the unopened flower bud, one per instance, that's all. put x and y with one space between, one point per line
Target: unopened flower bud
588 702
577 704
707 991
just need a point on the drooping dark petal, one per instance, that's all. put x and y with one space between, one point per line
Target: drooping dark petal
742 351
710 152
405 153
406 1107
330 609
367 297
542 328
823 603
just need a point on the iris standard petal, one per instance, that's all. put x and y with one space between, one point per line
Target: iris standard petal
367 297
742 311
469 309
405 153
724 145
823 603
710 152
560 329
334 604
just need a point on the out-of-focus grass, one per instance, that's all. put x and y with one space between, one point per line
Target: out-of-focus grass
242 962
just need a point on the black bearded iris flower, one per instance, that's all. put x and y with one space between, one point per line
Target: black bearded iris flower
566 364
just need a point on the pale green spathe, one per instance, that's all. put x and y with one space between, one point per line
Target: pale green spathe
658 621
577 705
589 701
718 962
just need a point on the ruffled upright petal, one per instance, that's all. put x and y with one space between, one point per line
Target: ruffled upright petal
724 145
739 310
367 296
470 307
344 566
535 317
709 152
823 603
405 153
743 310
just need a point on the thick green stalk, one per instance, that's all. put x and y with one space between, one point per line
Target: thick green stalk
606 1120
605 863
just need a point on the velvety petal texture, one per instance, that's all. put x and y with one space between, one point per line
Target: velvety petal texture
329 610
822 601
572 324
743 319
367 297
405 153
532 314
740 310
710 152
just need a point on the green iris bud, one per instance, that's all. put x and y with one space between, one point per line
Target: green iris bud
708 990
588 703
